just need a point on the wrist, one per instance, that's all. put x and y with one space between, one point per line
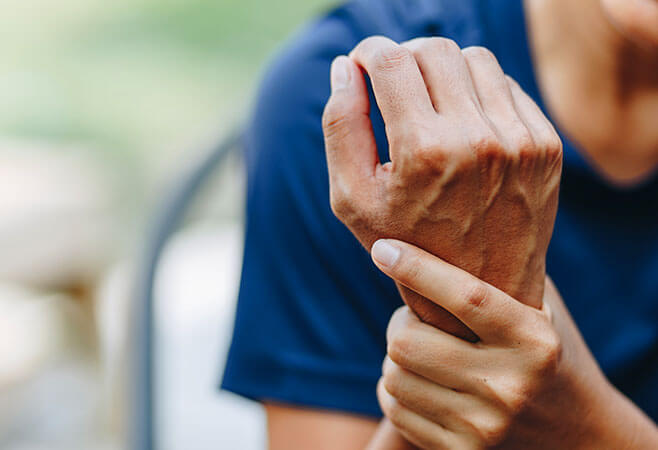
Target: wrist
526 284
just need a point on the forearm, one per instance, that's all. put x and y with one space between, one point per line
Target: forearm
292 427
623 425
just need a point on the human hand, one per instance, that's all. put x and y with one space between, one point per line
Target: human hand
475 166
529 382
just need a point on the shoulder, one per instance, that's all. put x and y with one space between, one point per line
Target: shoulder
298 75
295 86
339 30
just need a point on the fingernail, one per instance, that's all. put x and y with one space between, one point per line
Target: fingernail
385 253
340 73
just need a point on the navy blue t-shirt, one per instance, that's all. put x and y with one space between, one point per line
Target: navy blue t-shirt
313 309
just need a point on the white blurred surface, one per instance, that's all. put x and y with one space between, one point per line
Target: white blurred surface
195 293
54 395
56 224
49 384
56 230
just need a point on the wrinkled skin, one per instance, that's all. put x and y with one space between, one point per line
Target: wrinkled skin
475 166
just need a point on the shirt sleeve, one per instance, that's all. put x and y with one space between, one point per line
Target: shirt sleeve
312 309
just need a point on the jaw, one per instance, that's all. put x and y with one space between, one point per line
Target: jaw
636 19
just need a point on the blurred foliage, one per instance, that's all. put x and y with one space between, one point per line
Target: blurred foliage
137 81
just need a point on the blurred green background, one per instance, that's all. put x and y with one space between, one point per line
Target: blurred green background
103 104
137 82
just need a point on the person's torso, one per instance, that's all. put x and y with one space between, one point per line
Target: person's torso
603 255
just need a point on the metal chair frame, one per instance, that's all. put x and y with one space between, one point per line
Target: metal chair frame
143 401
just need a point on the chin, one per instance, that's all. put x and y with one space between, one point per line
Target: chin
637 19
627 180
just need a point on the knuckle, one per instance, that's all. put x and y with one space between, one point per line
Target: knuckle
373 42
429 156
548 353
425 152
399 320
522 141
492 429
513 84
440 45
335 120
341 204
478 52
474 295
495 434
410 138
519 399
394 412
488 148
516 395
392 58
346 204
518 142
485 141
392 379
553 146
400 346
370 41
398 317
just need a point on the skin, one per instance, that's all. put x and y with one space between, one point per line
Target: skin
329 430
475 166
599 80
529 382
635 19
595 62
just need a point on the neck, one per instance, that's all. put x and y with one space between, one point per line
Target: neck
600 86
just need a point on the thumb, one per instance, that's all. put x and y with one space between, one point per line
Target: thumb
349 141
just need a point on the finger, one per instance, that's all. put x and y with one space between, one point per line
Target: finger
495 97
415 428
489 312
547 144
396 81
433 353
436 316
350 145
542 130
445 73
447 407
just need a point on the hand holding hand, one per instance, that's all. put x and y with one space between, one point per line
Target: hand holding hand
530 382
